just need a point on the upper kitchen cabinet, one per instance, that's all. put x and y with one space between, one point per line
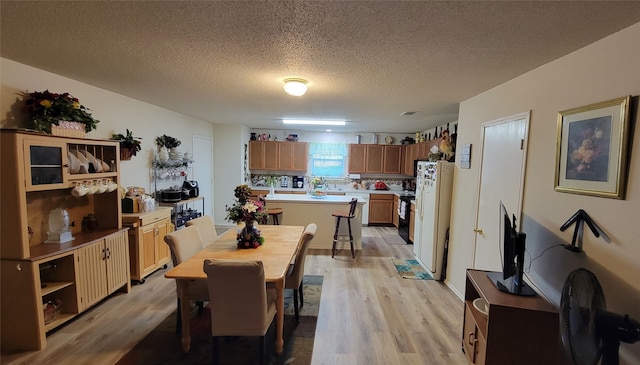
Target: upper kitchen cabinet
410 154
357 158
392 159
375 159
292 156
278 156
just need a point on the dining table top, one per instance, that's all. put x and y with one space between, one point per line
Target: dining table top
276 253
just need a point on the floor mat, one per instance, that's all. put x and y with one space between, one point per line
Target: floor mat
411 269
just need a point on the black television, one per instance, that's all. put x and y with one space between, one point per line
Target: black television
512 245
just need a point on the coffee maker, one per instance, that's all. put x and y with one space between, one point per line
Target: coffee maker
298 182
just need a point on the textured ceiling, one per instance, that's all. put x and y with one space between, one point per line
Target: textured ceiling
366 62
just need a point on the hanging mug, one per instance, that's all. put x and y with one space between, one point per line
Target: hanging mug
79 190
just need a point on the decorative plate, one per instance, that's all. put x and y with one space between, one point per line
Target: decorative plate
388 139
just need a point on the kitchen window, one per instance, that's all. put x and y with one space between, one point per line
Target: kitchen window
328 159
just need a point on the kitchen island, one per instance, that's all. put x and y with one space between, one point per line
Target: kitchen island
300 210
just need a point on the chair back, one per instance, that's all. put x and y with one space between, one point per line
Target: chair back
238 297
295 277
352 209
183 243
207 229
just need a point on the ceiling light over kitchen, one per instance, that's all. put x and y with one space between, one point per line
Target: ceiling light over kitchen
295 86
313 122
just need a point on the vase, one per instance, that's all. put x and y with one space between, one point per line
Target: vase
248 237
163 155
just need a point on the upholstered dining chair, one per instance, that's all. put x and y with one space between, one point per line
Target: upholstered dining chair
241 303
207 229
296 270
183 244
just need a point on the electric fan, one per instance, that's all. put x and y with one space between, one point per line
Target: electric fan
587 330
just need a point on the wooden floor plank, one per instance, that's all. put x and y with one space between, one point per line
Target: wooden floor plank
368 315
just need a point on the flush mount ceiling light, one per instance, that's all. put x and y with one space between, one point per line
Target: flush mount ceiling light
313 122
295 86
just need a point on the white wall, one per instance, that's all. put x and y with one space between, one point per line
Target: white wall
601 71
115 113
229 166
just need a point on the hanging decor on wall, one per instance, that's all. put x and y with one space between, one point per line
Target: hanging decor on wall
592 152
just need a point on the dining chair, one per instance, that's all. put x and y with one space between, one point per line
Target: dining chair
207 229
183 244
241 303
296 270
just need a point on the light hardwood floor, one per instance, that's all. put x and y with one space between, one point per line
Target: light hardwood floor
368 315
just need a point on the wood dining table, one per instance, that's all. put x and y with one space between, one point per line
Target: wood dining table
281 244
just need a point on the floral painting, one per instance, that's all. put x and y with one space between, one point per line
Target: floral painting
592 149
589 142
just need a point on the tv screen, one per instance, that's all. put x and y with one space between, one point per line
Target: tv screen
512 247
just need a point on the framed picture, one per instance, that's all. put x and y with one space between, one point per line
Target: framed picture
591 153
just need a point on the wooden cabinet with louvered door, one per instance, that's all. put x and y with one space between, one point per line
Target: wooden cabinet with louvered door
375 158
103 267
117 262
92 274
392 159
357 158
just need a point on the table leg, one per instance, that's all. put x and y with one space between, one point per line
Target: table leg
279 316
185 303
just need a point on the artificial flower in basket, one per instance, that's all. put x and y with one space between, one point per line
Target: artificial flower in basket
47 109
247 211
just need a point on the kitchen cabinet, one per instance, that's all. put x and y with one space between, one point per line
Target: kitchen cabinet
36 179
357 158
148 251
392 159
412 221
278 156
381 208
517 330
410 154
292 156
102 269
396 208
375 159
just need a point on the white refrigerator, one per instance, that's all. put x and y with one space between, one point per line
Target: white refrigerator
434 182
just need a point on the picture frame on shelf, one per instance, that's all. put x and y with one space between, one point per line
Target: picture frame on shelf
592 149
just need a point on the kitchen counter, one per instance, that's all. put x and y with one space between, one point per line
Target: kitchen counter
280 190
300 210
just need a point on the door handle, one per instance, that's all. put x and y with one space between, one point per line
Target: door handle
478 230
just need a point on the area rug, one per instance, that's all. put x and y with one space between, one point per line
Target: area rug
411 269
162 346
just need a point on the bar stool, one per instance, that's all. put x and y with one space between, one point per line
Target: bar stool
347 215
273 213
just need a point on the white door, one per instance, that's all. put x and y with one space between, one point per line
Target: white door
504 146
203 170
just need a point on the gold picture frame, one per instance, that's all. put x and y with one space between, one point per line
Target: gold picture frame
592 149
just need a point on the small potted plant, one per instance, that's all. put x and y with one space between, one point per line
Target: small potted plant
129 145
168 142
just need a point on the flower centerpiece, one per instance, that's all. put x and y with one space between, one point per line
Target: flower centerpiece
64 110
247 211
318 187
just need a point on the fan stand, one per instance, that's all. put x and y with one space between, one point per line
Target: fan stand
610 352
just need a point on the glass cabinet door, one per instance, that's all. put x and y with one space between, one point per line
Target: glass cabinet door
45 165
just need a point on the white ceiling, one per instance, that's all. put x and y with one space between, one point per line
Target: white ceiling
366 61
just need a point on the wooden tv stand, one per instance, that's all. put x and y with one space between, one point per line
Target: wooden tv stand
517 330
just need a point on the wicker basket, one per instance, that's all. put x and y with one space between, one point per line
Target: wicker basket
68 129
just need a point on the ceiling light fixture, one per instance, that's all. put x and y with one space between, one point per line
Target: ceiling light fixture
313 122
295 86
